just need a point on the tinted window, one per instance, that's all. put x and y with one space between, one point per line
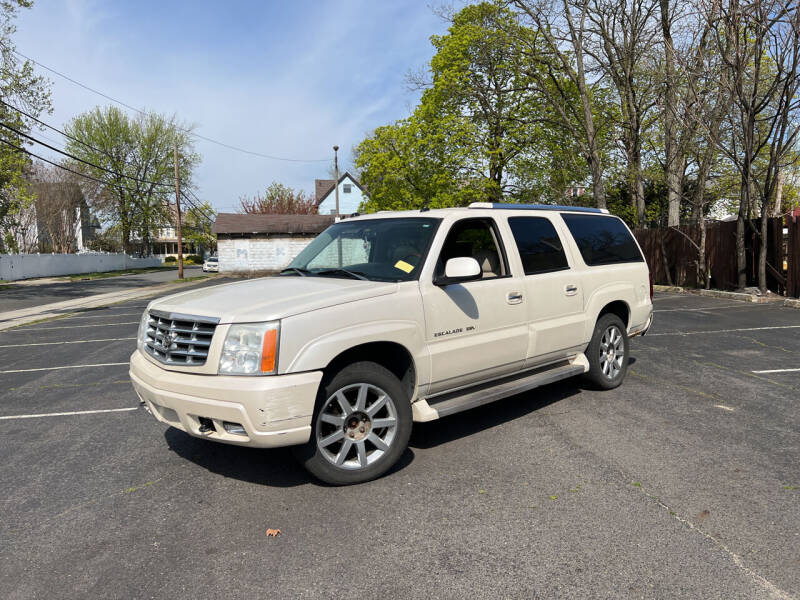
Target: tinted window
538 244
602 240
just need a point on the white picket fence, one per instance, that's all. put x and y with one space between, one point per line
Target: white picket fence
25 266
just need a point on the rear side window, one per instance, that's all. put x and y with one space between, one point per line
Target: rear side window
538 244
602 240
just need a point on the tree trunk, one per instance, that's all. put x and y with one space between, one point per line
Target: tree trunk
778 192
741 258
664 259
598 191
673 163
762 248
701 254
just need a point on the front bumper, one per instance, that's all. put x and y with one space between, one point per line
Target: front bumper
272 410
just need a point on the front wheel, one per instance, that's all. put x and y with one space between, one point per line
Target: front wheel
360 428
608 352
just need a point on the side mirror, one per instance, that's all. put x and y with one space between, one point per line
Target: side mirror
459 270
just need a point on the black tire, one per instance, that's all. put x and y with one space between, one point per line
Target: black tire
606 371
355 442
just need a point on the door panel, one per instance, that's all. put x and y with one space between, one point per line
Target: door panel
553 289
555 315
478 329
473 332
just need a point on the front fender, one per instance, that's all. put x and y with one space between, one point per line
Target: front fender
318 352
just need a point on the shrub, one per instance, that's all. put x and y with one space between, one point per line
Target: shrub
170 259
193 259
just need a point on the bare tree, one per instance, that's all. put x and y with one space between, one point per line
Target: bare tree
625 35
58 200
557 59
758 42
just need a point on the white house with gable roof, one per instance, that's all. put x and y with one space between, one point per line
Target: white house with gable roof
351 195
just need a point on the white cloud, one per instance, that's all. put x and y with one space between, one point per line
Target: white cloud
289 83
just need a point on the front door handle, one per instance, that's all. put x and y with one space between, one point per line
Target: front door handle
571 290
514 297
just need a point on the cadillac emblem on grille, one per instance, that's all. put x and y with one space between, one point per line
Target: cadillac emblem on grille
179 339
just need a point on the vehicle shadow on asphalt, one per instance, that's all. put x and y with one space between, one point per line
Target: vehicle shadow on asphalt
470 422
272 467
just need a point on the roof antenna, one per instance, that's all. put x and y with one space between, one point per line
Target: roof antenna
425 207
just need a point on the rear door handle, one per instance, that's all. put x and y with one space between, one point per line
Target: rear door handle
514 297
571 290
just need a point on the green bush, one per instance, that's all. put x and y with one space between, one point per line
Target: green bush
193 259
170 259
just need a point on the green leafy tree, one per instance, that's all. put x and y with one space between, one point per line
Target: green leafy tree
413 163
20 88
196 226
134 159
482 130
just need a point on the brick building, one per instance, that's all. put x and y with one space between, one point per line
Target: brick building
264 242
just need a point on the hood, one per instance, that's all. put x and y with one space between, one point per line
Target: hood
271 298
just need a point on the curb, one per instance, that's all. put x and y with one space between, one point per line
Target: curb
729 295
15 318
792 303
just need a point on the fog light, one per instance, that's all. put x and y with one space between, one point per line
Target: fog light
234 428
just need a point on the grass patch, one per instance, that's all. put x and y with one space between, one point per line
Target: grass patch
187 279
108 274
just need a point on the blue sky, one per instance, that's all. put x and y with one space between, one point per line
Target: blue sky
285 78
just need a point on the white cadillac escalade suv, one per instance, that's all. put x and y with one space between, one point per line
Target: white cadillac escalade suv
391 318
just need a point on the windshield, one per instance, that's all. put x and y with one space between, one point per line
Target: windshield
377 249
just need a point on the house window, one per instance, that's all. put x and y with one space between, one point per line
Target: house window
347 188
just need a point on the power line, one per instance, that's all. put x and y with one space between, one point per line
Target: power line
50 162
86 162
141 112
74 172
65 134
196 208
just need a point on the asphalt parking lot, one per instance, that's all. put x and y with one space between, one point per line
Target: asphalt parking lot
683 483
25 294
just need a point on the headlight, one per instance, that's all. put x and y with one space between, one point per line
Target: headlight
250 349
142 335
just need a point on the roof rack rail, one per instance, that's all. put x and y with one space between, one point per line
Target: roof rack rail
514 206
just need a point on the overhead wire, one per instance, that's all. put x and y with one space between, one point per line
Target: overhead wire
64 133
188 131
86 162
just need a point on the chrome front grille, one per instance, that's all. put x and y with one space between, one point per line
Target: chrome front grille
178 339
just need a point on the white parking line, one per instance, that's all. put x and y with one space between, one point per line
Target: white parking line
24 328
739 305
777 371
724 330
75 342
67 414
67 367
102 316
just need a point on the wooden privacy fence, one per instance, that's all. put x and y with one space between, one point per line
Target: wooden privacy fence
668 250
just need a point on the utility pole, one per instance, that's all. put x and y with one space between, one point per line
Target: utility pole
178 206
336 169
336 185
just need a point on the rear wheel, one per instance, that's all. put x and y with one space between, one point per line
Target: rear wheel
608 352
360 428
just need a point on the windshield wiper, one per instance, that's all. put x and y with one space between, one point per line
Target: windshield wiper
301 272
353 274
